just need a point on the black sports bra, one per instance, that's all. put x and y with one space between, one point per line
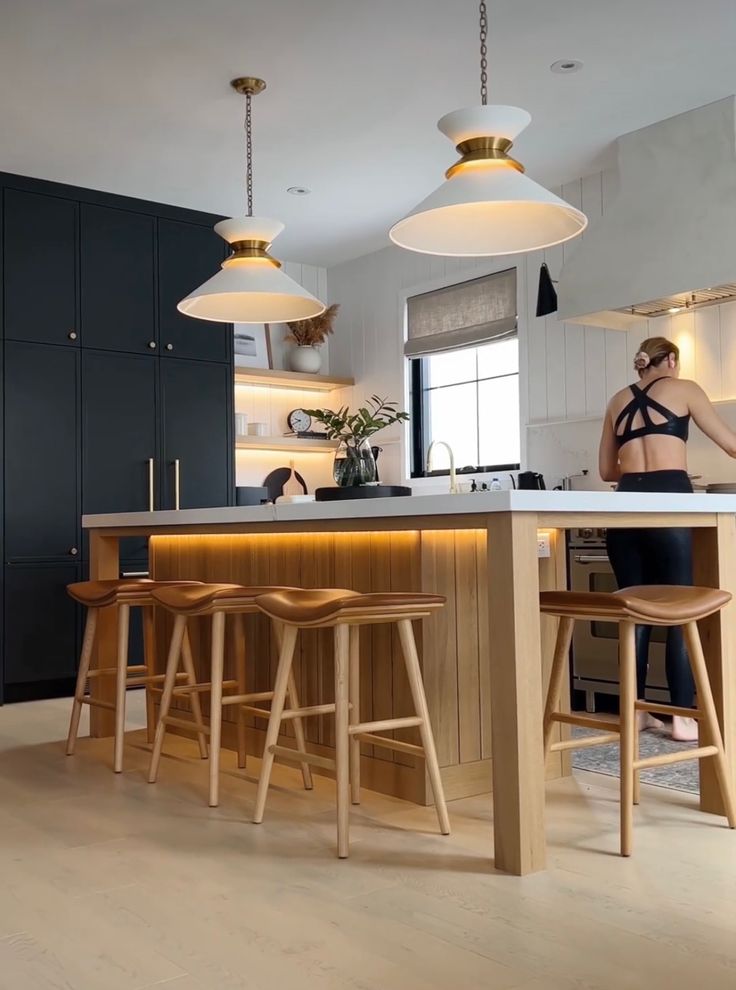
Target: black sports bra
642 402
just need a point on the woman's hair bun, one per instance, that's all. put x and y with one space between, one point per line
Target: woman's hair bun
642 361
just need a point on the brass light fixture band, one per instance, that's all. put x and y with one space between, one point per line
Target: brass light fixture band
248 85
484 149
251 249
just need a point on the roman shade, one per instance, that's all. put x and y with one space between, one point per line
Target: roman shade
462 315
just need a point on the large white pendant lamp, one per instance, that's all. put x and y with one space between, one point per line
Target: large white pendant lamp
250 286
487 206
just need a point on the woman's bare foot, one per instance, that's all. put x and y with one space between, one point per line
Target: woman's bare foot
684 729
645 720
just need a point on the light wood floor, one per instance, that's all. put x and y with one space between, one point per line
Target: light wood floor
109 883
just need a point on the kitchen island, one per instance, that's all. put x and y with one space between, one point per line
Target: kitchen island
484 655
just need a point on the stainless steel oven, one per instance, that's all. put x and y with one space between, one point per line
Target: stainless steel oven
595 644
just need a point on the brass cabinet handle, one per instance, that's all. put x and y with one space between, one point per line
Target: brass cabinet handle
177 484
72 335
150 484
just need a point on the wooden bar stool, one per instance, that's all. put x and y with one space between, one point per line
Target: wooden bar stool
652 605
216 600
346 612
123 594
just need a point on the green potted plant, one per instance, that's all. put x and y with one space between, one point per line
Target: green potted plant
308 336
354 460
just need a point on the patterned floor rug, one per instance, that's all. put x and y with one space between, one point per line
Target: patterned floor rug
604 759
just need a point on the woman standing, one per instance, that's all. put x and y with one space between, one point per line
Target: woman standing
643 448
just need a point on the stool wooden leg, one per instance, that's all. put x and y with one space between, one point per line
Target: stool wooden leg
342 737
172 666
413 670
354 694
121 678
218 663
240 678
187 661
637 781
90 628
557 676
149 659
293 696
707 706
627 675
286 657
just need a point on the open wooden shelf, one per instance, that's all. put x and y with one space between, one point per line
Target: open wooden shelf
290 379
286 443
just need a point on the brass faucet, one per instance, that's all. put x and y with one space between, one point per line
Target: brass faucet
448 448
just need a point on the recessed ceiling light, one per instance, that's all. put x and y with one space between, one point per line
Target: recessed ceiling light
565 66
299 190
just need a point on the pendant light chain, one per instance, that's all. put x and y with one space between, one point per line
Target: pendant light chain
483 53
249 152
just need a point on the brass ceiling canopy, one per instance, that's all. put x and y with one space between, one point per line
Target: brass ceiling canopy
248 85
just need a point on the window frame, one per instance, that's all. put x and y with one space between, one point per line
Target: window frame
419 404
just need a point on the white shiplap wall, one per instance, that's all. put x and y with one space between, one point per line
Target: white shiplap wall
567 371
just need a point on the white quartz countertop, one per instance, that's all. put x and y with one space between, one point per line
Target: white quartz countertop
423 505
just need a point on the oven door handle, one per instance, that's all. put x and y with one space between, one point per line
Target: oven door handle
589 558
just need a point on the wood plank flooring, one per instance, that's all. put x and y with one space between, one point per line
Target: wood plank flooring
109 883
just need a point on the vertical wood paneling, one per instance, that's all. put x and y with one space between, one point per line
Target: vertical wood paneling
708 368
406 575
484 646
381 637
575 400
595 371
728 349
468 668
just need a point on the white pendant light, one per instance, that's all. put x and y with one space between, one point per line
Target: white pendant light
487 206
250 286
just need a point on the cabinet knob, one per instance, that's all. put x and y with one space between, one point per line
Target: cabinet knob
169 347
72 335
152 344
73 551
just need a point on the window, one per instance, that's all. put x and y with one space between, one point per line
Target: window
464 351
470 399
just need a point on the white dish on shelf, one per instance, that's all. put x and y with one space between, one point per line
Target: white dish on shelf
295 498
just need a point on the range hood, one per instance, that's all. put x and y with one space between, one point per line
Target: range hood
667 239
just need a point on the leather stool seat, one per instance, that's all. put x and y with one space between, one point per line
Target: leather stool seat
198 598
97 594
656 604
315 605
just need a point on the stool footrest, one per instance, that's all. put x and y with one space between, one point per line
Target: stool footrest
383 725
308 711
182 723
299 756
664 759
396 744
657 709
98 703
239 699
584 742
184 689
256 712
585 722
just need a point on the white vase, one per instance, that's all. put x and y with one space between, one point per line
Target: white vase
306 359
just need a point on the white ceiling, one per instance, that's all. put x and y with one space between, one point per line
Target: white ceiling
132 96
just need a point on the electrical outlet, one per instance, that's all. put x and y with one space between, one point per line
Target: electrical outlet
543 548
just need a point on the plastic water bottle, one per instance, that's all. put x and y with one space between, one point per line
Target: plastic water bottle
495 485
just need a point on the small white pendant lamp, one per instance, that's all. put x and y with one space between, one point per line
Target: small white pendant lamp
487 206
250 286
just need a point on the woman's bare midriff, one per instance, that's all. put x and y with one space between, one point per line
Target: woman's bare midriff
653 454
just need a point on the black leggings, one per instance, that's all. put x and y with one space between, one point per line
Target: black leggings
656 556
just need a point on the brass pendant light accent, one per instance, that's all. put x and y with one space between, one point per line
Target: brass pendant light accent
250 288
487 205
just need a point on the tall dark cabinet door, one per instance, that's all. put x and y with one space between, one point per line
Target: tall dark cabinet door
42 623
197 415
187 256
40 249
41 451
117 280
118 435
